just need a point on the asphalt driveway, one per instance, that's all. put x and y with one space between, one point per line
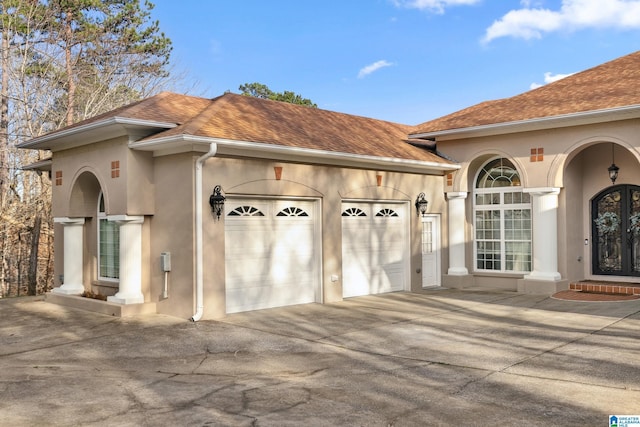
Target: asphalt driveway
442 357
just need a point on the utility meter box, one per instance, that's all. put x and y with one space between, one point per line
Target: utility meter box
165 261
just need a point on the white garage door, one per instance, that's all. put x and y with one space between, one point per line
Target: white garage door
272 259
375 248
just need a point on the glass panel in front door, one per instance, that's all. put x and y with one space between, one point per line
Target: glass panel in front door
616 231
609 233
633 227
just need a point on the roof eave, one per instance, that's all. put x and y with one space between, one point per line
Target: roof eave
41 165
89 133
560 121
233 148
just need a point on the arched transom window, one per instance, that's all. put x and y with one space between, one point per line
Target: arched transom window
502 220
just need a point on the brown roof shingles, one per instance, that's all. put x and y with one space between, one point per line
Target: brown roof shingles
166 107
247 119
242 118
613 84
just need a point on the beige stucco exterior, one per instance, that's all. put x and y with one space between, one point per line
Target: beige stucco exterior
158 161
575 161
162 189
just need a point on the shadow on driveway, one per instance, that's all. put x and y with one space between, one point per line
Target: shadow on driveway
441 357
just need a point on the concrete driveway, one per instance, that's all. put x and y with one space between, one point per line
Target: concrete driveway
442 357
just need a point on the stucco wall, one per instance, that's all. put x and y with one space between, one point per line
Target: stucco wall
162 189
331 185
127 185
172 230
128 188
573 256
575 160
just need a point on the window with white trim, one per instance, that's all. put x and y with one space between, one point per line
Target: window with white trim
108 245
501 220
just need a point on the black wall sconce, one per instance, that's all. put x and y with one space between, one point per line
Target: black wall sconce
421 204
216 200
613 169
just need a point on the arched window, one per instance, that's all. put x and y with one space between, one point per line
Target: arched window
292 211
108 245
353 212
502 220
246 211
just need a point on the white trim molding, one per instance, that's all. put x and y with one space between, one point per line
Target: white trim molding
537 123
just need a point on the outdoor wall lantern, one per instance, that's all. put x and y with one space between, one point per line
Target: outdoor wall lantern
613 169
217 201
421 204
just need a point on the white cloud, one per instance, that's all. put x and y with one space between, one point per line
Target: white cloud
529 23
529 3
373 67
436 6
549 78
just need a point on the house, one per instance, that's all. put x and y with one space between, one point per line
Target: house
548 190
318 206
197 207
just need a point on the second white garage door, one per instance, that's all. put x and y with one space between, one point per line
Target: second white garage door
272 255
375 248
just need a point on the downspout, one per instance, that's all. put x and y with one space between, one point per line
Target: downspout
213 148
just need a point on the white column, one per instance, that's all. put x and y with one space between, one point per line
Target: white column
544 210
457 221
130 287
73 248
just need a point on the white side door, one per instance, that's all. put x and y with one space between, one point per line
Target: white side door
430 251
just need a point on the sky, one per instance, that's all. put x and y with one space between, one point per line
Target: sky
405 61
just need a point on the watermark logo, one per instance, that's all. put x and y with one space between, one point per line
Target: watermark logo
624 420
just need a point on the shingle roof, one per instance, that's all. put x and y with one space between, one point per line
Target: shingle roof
243 118
165 107
235 117
613 84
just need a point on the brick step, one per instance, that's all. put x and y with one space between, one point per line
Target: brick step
607 287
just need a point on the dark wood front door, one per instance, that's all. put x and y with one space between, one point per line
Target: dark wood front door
615 214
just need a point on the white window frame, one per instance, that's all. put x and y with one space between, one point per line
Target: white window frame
102 216
501 207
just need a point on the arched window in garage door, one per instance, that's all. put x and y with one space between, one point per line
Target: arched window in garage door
246 211
292 211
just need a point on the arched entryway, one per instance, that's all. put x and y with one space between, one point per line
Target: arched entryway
77 217
615 219
584 180
102 249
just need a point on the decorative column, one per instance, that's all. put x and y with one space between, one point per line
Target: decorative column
457 219
73 248
130 288
544 210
